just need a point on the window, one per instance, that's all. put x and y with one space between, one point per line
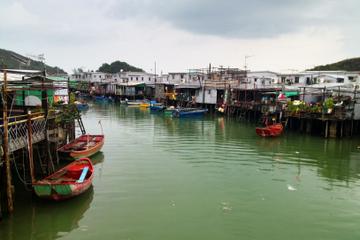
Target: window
339 80
149 79
255 79
136 78
131 78
181 76
308 81
142 78
296 79
282 79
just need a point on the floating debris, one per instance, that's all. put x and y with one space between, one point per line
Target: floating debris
226 207
291 188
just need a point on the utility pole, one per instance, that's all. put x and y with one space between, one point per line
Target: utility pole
155 71
245 66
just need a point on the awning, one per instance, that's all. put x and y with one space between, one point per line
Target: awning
291 94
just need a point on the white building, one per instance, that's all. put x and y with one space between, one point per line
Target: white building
261 80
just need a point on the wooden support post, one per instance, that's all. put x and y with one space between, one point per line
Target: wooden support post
30 149
326 128
9 191
308 125
342 129
333 129
301 125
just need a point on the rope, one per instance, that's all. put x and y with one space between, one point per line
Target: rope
18 173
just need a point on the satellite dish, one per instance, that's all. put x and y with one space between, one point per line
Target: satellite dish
32 101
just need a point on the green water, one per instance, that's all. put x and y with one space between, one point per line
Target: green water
211 178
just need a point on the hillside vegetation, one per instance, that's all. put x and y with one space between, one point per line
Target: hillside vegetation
118 66
12 60
352 64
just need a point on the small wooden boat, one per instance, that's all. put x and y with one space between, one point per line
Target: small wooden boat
168 112
134 103
273 130
67 182
83 146
101 99
82 106
189 112
158 107
144 105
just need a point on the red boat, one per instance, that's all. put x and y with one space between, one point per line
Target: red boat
270 130
81 147
67 182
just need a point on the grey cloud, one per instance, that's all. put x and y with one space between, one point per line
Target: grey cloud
239 18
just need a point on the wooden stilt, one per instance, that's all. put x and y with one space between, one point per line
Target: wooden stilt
308 126
30 149
1 215
333 129
326 128
6 149
342 129
301 125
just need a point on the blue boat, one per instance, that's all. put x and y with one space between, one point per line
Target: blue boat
82 106
104 99
101 99
189 112
158 107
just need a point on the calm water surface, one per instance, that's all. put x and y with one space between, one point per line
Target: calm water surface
212 178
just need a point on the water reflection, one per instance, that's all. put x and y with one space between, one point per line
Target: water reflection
97 158
46 220
334 159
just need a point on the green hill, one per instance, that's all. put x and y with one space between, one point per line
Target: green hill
352 64
12 60
118 66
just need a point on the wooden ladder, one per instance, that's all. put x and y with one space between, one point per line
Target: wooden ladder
80 122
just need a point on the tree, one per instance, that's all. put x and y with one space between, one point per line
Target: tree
118 66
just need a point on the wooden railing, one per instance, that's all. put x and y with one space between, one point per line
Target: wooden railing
21 126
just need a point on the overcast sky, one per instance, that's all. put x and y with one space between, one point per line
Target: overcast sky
279 35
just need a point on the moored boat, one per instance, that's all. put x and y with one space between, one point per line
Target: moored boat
83 146
157 107
67 182
168 112
144 105
273 130
81 106
189 112
133 103
101 99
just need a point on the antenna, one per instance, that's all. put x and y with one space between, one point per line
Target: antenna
246 57
39 57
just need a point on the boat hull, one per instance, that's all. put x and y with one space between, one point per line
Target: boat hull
82 147
82 106
157 108
270 131
65 183
189 113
